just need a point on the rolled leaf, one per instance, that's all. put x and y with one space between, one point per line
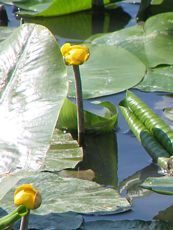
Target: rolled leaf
104 118
155 150
156 126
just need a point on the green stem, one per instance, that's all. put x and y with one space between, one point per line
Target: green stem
79 102
24 222
12 217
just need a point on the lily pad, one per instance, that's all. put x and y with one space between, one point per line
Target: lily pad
64 152
151 42
113 72
162 185
61 195
158 79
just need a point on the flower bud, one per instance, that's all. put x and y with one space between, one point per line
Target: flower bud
75 54
28 196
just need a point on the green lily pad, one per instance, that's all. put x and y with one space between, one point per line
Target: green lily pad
61 195
113 72
162 185
151 42
64 152
158 79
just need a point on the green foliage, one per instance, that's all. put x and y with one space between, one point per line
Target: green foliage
32 78
72 194
113 72
11 218
152 44
48 8
154 134
104 118
162 185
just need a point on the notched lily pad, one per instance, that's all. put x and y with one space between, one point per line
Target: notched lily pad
64 152
71 194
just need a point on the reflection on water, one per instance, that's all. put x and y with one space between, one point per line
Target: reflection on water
3 16
100 155
79 26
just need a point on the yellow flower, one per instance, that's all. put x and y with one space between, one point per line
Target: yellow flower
28 196
75 54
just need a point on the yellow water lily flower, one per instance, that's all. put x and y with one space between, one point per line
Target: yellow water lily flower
75 54
28 196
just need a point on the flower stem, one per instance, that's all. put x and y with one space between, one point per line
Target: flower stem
79 102
24 222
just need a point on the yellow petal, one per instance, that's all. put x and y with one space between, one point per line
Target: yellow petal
28 196
75 54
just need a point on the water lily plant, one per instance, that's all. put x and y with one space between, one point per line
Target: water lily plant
76 55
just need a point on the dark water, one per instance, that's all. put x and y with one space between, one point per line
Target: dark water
133 164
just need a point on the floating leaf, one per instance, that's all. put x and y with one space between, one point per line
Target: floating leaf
105 74
64 152
71 194
103 119
151 43
163 185
158 79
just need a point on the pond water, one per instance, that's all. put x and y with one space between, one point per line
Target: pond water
133 164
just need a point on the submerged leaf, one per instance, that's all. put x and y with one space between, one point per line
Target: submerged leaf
125 224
